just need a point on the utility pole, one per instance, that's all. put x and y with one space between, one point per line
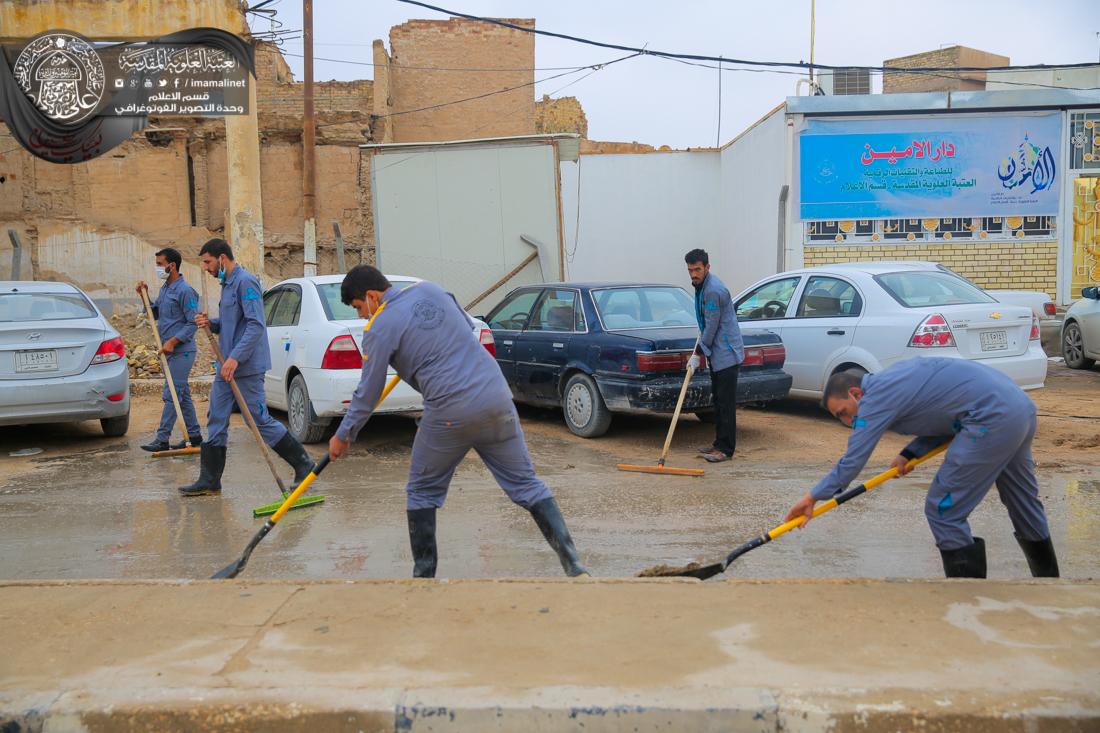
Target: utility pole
309 176
812 29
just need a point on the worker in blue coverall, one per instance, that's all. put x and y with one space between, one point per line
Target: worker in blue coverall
720 341
990 423
429 340
175 308
242 339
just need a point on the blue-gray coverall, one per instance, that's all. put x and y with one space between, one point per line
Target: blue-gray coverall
428 339
242 335
990 423
175 309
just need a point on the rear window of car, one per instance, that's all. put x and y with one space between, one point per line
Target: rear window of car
28 307
337 311
645 307
921 288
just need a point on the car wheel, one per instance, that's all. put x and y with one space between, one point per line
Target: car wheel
115 427
584 408
1073 348
303 421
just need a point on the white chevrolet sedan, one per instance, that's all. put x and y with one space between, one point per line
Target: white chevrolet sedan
315 358
869 315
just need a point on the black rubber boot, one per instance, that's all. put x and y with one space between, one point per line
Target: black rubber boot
194 440
422 541
294 453
211 465
1040 557
155 445
552 525
965 562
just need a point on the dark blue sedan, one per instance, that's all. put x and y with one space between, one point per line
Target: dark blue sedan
598 348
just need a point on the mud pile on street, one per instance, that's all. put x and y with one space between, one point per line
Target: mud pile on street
141 354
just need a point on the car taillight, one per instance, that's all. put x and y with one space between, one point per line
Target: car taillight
342 353
109 351
1034 335
487 340
932 332
1050 309
666 361
770 355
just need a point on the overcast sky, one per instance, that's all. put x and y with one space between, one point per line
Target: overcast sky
662 102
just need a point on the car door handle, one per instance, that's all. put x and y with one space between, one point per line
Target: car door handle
835 332
559 346
506 343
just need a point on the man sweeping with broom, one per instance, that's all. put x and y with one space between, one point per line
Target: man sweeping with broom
175 308
426 336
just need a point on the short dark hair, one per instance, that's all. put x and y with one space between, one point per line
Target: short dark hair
359 280
172 255
838 385
697 255
216 248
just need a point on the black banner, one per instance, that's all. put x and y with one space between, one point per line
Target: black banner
65 105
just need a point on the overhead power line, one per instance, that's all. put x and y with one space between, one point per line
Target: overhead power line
745 62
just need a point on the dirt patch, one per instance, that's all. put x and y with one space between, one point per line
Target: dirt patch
668 571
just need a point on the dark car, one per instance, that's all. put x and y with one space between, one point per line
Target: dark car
598 348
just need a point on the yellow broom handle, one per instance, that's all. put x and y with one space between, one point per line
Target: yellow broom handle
862 488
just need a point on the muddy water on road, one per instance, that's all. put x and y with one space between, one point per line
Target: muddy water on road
113 512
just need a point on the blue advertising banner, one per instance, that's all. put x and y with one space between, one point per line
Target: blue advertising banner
977 165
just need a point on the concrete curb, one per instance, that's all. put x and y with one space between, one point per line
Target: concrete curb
539 655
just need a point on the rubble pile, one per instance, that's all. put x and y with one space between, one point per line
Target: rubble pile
141 354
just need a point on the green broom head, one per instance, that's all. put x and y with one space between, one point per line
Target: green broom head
269 509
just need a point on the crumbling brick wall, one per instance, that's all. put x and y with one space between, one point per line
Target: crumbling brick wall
950 57
563 114
421 51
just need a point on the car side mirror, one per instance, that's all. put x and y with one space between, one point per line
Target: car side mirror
1091 292
481 318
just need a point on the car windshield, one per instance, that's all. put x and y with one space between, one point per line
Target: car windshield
644 307
25 307
921 288
337 311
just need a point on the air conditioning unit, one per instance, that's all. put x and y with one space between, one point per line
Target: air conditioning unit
844 81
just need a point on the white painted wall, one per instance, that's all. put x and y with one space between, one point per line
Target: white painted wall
639 214
754 169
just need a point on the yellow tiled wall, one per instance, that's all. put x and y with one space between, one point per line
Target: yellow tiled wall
992 265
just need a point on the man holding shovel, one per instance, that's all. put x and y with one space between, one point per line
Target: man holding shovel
175 309
427 337
990 423
720 341
242 339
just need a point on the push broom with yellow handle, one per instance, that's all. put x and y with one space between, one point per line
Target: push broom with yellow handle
661 468
708 571
231 570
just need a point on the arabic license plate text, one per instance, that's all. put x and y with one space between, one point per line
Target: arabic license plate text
36 361
993 340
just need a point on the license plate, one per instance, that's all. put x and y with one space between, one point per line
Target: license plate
993 340
36 361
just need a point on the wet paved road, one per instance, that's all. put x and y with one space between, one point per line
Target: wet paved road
113 512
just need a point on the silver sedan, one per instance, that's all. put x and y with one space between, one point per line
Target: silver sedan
1081 330
60 359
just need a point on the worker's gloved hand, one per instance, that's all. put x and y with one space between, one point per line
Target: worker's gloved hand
694 362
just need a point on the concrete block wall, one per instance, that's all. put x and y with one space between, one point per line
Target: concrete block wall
992 265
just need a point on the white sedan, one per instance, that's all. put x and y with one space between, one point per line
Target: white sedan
315 358
869 315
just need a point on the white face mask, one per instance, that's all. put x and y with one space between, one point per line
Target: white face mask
162 273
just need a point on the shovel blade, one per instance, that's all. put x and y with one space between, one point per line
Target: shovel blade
230 570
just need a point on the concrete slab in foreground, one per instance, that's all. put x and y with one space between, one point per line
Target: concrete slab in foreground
612 655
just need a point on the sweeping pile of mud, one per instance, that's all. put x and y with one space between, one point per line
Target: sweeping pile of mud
668 571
